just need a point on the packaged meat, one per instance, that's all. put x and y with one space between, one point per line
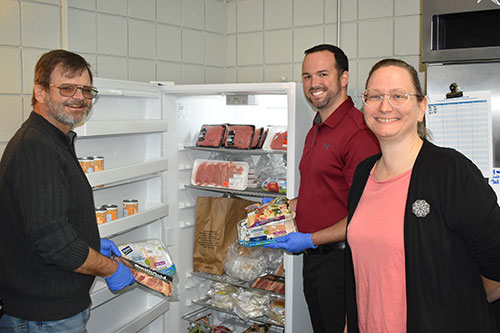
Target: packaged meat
272 283
211 136
151 264
257 137
277 138
276 311
240 136
263 138
144 275
264 234
220 174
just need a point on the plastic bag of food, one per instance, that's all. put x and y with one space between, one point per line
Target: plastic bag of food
248 264
262 213
251 303
276 311
277 138
264 234
221 295
151 264
270 166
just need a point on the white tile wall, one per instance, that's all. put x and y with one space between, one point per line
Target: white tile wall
376 38
375 8
169 11
215 50
250 74
214 75
41 25
117 7
349 10
406 37
278 73
330 32
10 67
215 16
11 116
193 14
142 9
308 12
169 42
82 40
331 11
112 67
141 70
249 15
231 17
112 36
249 49
192 74
168 71
349 39
231 51
10 22
142 39
87 4
193 44
29 59
407 7
304 38
278 46
277 14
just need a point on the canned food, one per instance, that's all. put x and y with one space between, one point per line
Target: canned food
100 215
111 211
87 164
130 207
98 163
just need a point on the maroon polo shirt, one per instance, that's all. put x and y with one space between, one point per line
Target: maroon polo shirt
331 153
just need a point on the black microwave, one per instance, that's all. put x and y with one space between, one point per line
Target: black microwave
458 31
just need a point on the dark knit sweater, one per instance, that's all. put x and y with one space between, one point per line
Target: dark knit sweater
47 223
446 250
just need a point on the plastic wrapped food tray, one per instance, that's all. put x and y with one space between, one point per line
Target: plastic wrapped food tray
264 234
276 139
220 174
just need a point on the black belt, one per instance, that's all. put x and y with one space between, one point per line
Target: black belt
325 249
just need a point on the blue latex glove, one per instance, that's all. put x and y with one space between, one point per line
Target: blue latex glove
120 279
294 242
108 248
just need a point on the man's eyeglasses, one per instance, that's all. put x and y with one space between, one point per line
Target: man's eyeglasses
69 90
397 99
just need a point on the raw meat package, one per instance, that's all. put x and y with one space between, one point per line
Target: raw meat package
220 174
151 264
257 137
264 234
240 136
277 138
211 136
263 138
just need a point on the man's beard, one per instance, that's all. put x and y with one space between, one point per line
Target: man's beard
57 111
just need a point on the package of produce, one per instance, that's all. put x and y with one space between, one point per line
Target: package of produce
247 264
257 137
151 265
211 136
220 174
264 234
240 136
277 138
259 214
277 185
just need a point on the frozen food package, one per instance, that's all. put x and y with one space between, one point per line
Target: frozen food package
277 138
277 185
276 311
263 213
151 264
257 137
263 138
221 295
211 136
221 174
264 234
240 136
251 303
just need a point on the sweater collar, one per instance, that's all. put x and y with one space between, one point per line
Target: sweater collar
336 115
47 127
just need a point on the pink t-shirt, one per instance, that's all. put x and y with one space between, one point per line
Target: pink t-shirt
375 236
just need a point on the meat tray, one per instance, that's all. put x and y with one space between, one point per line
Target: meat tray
220 174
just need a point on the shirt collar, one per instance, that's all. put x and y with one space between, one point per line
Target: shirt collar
48 127
336 115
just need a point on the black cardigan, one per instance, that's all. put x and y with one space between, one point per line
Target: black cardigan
445 251
47 223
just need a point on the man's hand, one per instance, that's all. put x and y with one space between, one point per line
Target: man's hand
120 279
294 242
108 248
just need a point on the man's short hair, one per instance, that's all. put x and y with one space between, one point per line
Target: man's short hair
342 63
72 63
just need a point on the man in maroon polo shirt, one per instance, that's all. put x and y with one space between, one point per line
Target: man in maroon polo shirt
336 143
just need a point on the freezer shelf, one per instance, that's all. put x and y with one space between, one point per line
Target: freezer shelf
204 302
116 127
237 151
247 192
207 320
130 222
122 175
224 278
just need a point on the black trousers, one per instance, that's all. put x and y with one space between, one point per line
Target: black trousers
324 290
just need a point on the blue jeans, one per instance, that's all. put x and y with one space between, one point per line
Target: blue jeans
75 324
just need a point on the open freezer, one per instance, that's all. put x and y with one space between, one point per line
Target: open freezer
146 133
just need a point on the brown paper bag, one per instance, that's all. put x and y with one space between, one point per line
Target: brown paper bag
215 230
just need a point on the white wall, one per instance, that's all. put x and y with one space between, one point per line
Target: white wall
196 41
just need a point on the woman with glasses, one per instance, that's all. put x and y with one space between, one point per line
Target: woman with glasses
423 233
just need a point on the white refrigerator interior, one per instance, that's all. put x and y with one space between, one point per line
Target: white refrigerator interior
146 134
